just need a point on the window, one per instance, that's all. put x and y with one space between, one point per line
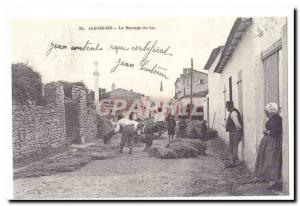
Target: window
201 81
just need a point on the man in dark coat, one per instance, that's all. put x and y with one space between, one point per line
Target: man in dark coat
234 126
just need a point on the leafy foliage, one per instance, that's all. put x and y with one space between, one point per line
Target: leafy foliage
68 87
26 84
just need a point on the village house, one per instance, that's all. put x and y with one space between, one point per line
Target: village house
123 94
251 70
119 93
199 90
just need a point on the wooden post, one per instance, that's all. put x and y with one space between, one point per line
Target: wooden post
191 103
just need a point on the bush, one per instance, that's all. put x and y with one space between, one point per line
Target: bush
67 86
26 84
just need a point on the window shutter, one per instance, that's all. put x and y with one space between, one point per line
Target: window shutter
270 59
271 77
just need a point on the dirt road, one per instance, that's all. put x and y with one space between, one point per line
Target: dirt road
138 175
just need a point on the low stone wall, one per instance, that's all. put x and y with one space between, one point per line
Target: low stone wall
36 129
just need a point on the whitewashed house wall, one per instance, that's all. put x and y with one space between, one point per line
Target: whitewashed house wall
246 58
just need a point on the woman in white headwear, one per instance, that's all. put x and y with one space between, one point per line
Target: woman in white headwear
269 158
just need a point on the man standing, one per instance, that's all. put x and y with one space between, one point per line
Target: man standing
234 126
127 127
171 124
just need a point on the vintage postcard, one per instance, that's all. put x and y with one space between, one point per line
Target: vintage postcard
186 107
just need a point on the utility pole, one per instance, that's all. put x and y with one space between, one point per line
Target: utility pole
96 87
191 103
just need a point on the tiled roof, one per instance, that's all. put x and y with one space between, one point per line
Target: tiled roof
237 31
215 52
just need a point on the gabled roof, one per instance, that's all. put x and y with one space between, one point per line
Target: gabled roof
122 93
237 31
215 52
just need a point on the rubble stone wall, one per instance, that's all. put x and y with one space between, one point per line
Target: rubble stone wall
86 117
61 121
37 129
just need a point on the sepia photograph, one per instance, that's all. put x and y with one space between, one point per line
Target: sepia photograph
179 107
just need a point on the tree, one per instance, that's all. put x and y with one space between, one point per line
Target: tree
26 84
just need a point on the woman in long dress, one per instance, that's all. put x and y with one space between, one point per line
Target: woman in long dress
269 158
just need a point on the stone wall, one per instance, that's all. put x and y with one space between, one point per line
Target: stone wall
72 120
61 121
39 128
86 117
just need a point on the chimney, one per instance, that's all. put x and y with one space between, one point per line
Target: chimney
184 71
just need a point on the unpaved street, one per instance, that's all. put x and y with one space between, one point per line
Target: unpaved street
139 175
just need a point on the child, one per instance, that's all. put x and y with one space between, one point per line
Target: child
171 124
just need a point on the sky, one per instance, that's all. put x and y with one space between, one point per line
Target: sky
177 39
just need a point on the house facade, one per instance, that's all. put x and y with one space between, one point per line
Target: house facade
121 94
199 86
251 70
